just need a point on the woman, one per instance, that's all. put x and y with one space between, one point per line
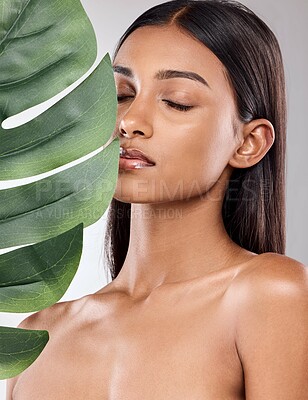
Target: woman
203 303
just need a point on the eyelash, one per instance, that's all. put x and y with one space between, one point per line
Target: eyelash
180 107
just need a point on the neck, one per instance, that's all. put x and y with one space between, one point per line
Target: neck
176 241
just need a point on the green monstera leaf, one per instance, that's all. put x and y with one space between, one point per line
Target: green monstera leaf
19 348
45 46
37 276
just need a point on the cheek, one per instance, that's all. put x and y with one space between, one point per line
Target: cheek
198 156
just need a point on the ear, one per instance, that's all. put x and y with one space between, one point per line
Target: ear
257 137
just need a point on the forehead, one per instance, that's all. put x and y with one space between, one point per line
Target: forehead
152 48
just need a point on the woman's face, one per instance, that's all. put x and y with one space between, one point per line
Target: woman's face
184 122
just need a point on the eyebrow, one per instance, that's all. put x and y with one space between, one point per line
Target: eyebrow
164 74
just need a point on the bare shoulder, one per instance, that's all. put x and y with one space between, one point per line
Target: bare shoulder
271 280
271 298
59 315
44 319
50 317
274 273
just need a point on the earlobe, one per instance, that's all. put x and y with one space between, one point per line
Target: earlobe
258 137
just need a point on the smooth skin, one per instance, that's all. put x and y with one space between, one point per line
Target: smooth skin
192 315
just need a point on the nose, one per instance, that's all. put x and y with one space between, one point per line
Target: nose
136 120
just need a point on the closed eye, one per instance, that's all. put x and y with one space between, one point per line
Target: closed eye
122 98
180 107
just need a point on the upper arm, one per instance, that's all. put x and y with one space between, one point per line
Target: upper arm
272 331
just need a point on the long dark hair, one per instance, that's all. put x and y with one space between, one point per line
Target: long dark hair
251 55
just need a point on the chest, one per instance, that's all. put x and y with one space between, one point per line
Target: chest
177 350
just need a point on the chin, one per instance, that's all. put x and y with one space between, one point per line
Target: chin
133 199
135 190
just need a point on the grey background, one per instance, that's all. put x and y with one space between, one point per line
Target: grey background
288 21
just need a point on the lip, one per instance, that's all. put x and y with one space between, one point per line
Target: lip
133 163
131 158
